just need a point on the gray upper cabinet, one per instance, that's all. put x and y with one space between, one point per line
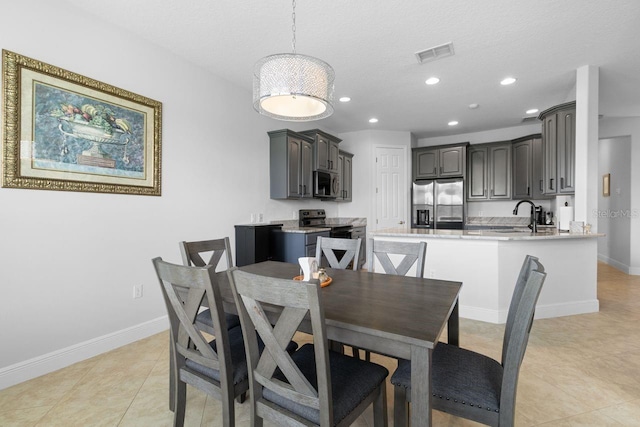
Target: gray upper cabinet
439 162
325 150
528 180
558 146
345 163
291 156
489 171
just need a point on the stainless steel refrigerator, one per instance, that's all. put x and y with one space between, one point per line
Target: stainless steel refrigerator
438 203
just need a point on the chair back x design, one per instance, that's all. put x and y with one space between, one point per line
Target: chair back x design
313 386
192 254
206 365
331 248
407 254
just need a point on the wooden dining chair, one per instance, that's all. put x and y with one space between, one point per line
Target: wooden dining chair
396 257
338 253
192 254
219 367
313 386
471 385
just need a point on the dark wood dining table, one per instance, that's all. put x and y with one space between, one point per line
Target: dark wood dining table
399 316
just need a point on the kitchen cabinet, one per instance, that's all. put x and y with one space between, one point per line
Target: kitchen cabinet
527 167
439 162
489 171
291 157
325 150
558 146
345 163
288 247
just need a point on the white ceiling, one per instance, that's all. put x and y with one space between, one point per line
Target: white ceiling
371 46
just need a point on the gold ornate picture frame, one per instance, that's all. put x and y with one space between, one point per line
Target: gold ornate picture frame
63 131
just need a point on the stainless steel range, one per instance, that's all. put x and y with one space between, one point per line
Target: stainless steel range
317 218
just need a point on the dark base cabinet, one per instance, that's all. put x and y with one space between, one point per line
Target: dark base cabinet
254 243
288 247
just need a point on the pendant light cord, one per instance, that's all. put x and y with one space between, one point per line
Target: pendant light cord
293 26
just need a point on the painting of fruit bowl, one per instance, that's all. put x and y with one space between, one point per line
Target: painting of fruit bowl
84 135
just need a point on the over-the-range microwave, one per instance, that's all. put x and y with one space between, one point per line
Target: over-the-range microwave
326 185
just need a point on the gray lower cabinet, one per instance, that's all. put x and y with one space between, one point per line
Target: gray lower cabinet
489 171
528 180
558 145
291 160
345 168
288 247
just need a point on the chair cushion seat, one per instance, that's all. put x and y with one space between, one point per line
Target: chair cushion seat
460 375
204 317
238 357
352 380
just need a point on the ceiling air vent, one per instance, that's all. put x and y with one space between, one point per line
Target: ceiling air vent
434 53
530 119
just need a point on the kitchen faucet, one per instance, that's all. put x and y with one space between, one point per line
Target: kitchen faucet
534 224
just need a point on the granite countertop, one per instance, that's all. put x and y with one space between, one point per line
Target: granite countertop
291 225
547 234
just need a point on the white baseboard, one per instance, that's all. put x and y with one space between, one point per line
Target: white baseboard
616 264
542 311
59 359
567 309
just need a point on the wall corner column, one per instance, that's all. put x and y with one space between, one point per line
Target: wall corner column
586 177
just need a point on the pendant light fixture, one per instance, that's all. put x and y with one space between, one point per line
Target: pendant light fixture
293 87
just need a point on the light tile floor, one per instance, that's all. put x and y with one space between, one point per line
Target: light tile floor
578 371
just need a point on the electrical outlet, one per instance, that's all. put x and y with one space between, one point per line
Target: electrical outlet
260 217
253 218
137 291
480 213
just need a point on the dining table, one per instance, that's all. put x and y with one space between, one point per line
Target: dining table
398 316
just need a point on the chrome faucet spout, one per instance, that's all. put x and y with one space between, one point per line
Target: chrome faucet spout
533 225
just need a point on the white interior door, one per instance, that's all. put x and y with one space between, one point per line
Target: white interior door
391 187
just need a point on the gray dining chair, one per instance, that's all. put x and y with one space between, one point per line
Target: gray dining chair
219 367
192 254
313 386
338 253
396 257
341 254
469 384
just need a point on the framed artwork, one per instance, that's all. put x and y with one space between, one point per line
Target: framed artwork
63 131
606 184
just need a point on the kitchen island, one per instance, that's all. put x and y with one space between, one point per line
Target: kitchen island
487 262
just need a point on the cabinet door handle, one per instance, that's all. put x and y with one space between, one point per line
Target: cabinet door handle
528 191
551 184
304 189
541 186
435 170
300 189
440 170
561 183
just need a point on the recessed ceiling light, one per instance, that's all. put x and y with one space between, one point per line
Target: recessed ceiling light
532 111
508 81
474 106
452 123
432 81
373 120
345 99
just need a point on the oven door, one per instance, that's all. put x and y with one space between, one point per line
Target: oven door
326 185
